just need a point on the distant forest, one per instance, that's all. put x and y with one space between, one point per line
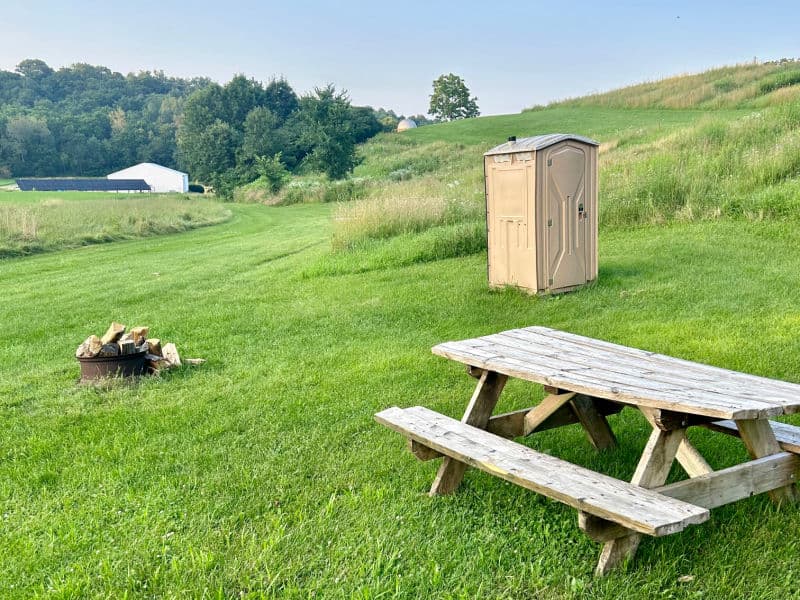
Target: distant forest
86 120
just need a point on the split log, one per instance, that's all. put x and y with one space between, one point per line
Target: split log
156 363
108 350
89 348
139 334
127 347
170 352
114 333
154 346
195 362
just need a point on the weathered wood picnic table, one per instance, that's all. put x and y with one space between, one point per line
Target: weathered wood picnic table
587 380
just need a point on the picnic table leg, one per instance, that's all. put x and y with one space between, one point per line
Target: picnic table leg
652 471
594 423
759 439
689 458
480 408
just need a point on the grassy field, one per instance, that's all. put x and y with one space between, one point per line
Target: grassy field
262 473
32 222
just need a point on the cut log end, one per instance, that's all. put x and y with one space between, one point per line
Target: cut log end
170 352
89 348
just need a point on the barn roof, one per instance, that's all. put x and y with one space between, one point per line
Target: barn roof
537 142
79 184
148 165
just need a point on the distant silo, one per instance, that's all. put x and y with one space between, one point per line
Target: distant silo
406 124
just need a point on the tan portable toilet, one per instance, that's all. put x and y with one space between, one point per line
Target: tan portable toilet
541 212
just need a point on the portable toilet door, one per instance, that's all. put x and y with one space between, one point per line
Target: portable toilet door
541 209
569 200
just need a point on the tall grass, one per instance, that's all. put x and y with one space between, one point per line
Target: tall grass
716 168
745 85
388 216
52 223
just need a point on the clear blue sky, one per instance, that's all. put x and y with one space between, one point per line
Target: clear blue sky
511 54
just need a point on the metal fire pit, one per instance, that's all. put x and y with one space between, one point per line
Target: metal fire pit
127 365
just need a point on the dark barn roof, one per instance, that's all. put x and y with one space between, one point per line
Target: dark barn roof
83 185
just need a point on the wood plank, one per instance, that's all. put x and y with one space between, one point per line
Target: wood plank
712 490
661 368
689 458
421 452
760 441
558 375
594 423
691 369
511 425
737 482
601 530
548 353
652 471
635 507
545 409
480 408
788 436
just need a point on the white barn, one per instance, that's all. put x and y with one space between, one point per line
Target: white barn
160 179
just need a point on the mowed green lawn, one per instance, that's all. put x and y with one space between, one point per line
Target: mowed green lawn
596 121
263 474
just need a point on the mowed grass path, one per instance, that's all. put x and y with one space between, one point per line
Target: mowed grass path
263 474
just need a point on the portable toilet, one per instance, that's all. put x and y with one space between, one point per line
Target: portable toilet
541 212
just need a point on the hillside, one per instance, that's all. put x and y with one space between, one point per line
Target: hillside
752 85
726 156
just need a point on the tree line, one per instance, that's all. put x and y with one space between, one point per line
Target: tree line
86 120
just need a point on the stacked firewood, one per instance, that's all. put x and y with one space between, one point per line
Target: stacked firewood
119 342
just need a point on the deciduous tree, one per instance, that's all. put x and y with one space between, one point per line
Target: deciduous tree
450 99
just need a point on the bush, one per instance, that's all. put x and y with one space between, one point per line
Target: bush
272 171
344 191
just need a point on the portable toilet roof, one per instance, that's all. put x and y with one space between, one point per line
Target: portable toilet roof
538 142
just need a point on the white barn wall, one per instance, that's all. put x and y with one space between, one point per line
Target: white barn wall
160 179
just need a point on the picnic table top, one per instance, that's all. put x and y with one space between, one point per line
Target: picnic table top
614 372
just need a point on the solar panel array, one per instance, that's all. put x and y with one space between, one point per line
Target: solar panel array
82 185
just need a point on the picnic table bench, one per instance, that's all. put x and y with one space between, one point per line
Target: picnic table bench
586 381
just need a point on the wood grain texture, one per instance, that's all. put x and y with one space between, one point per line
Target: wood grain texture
712 490
539 414
788 436
480 408
652 471
635 507
512 424
689 458
594 423
614 372
760 441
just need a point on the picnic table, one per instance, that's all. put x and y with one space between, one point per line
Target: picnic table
586 380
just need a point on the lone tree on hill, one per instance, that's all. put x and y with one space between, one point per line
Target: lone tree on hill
450 99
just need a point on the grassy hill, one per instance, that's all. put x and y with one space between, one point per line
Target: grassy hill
717 155
753 85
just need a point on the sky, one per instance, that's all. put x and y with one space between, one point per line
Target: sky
512 55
